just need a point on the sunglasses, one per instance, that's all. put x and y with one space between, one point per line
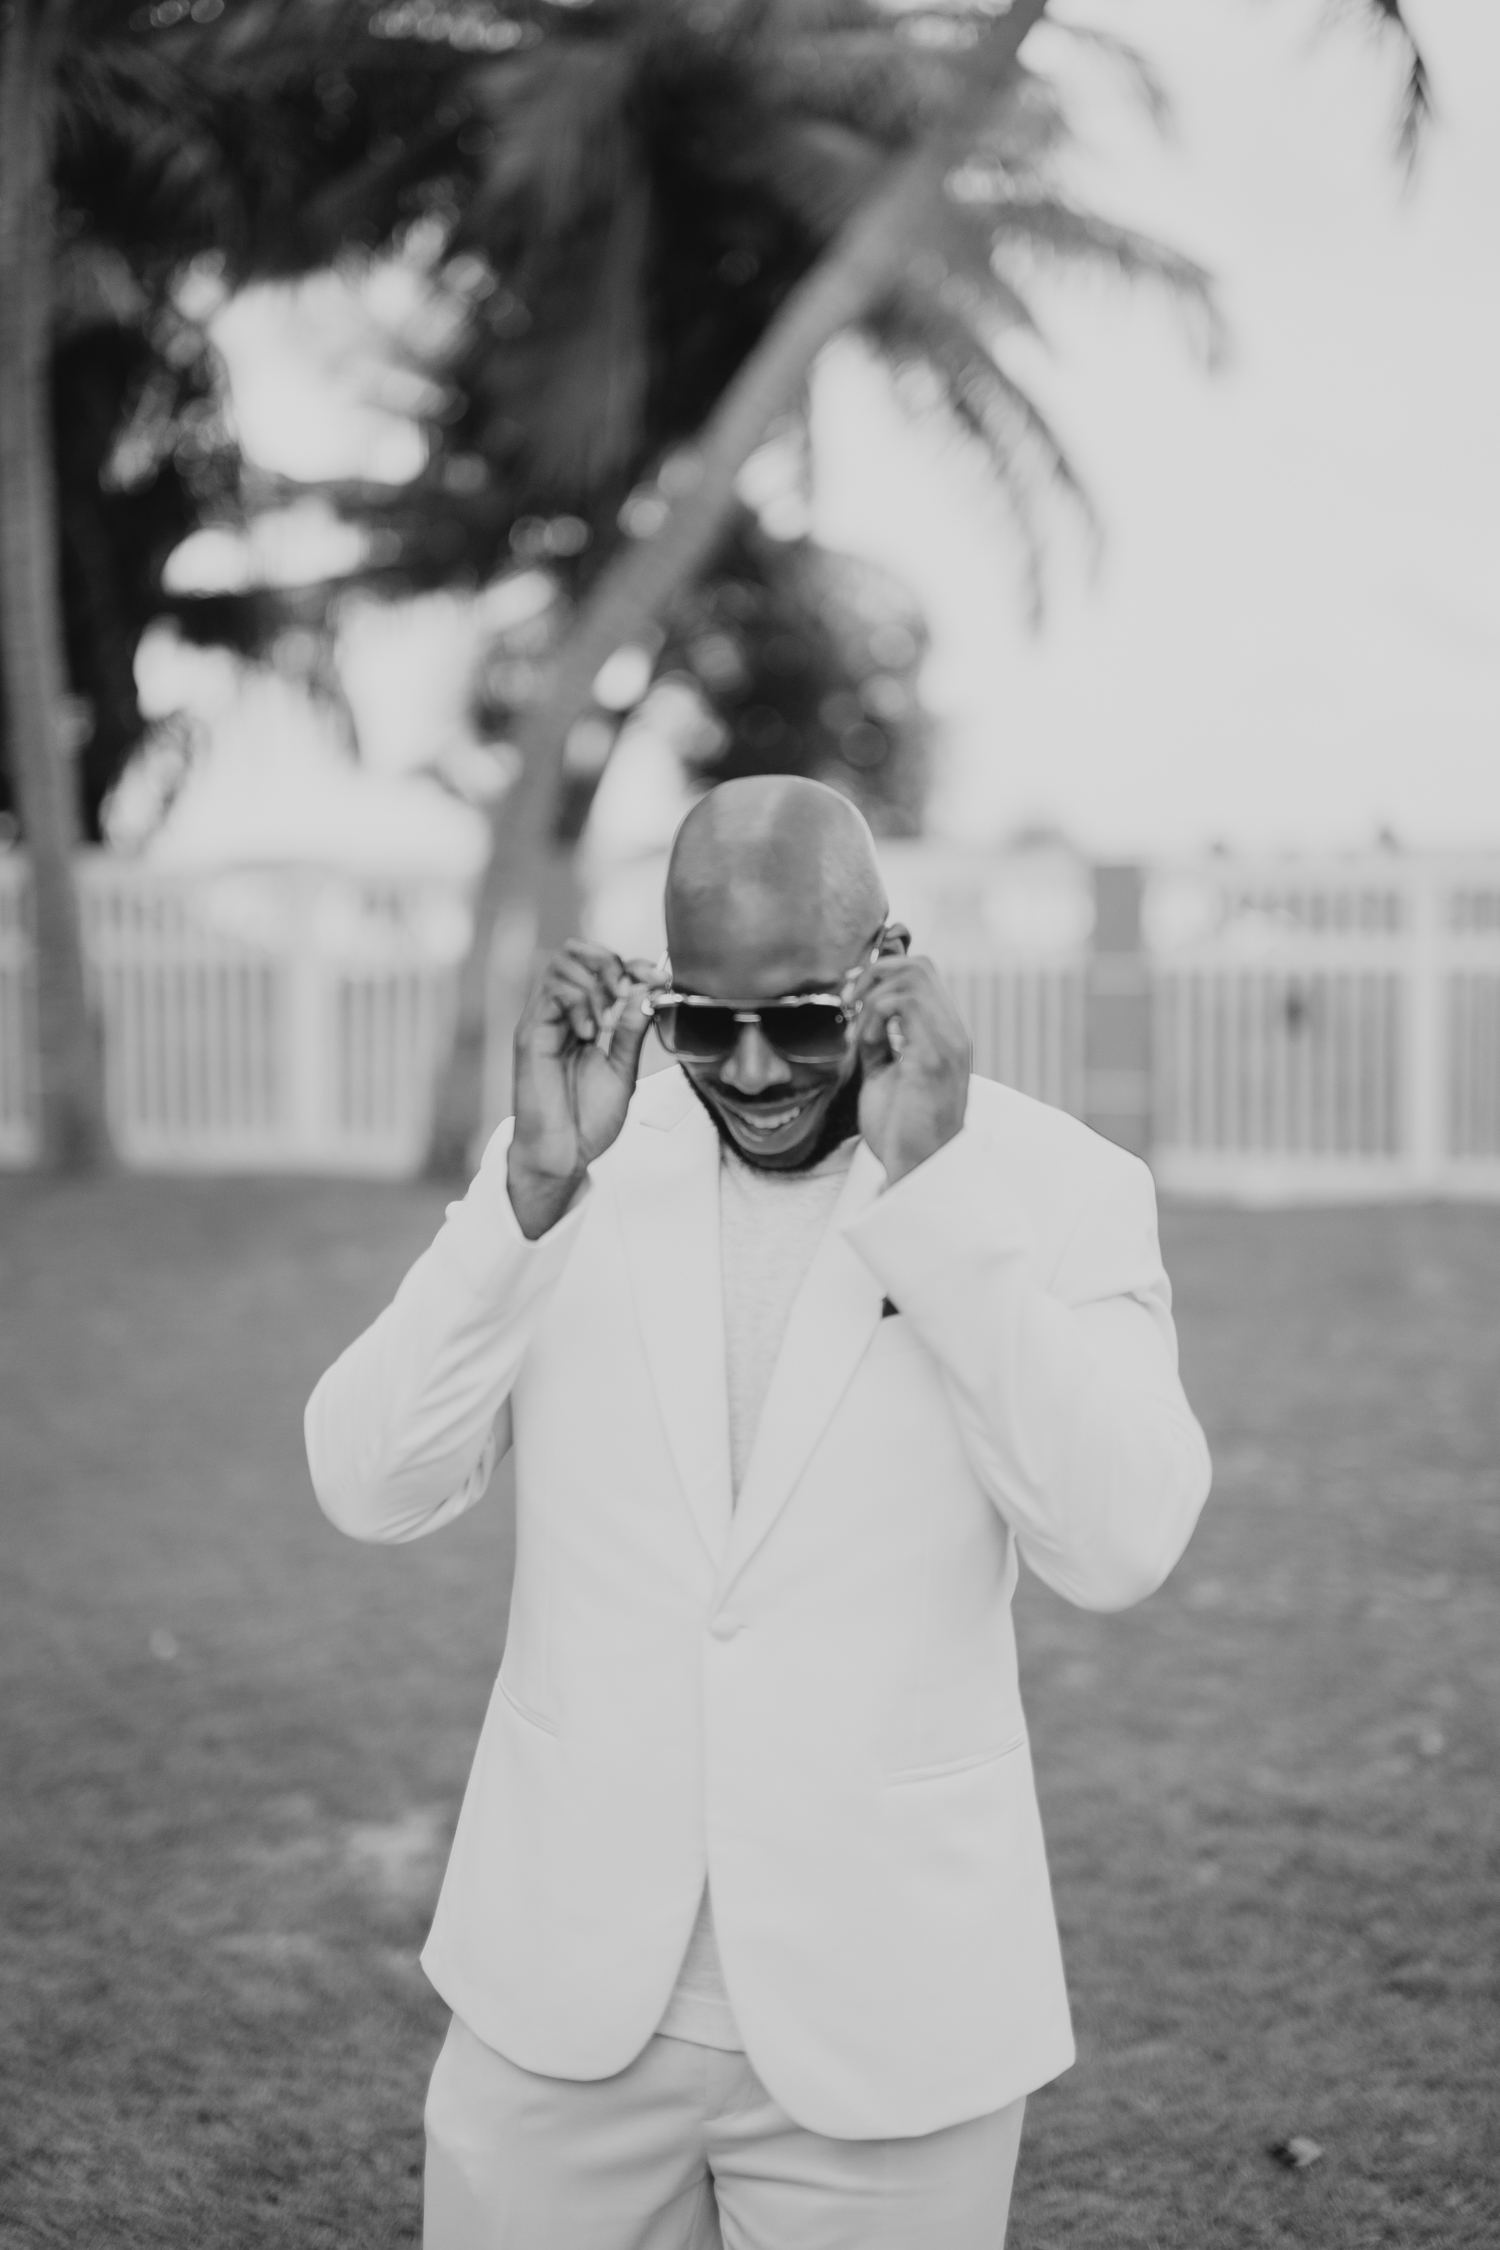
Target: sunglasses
802 1027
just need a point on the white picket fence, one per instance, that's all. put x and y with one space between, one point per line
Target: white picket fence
293 1018
265 1019
1326 1030
1026 1020
1316 1030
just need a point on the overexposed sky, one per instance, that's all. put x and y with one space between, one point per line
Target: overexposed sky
1293 637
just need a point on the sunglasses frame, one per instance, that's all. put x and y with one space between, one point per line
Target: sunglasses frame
753 1012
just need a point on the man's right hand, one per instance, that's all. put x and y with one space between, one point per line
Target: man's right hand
572 1091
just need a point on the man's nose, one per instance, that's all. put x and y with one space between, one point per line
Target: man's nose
755 1064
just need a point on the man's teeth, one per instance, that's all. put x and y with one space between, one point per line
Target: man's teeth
771 1120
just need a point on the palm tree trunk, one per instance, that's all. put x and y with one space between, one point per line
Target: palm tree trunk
73 1132
633 593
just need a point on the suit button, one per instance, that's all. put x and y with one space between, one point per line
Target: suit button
724 1627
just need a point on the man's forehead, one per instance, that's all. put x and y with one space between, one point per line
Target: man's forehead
773 885
761 940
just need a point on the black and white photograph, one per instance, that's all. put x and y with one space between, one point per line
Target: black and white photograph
749 1124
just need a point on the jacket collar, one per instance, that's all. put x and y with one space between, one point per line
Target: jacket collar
668 1202
834 1316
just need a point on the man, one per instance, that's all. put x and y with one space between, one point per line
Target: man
800 1345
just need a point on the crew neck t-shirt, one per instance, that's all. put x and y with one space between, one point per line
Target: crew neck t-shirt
770 1226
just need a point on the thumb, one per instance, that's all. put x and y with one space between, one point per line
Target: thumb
877 1049
629 1034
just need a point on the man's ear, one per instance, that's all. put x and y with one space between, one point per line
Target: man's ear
897 940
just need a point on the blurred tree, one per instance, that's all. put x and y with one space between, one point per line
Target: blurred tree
809 662
143 457
34 667
111 449
889 171
794 660
134 142
679 207
646 216
612 206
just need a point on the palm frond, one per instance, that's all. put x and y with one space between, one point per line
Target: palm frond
816 169
1127 65
862 77
1024 453
959 266
586 425
1043 229
557 122
1388 18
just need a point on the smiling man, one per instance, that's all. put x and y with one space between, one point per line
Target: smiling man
803 1346
804 915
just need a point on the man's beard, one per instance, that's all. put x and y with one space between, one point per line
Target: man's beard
840 1123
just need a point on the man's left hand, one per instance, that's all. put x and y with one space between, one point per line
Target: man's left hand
915 1057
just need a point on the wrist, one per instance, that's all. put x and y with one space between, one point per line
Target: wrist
903 1161
539 1198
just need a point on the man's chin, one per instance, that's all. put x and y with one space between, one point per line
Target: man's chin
787 1136
779 1139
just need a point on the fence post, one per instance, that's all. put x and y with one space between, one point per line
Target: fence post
1117 1013
1426 1058
306 1057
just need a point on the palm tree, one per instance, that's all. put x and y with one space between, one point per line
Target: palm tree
659 211
679 213
874 119
31 652
131 142
81 330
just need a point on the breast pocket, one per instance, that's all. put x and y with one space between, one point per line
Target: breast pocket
946 1769
524 1710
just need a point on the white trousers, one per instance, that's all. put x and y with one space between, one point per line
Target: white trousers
685 2150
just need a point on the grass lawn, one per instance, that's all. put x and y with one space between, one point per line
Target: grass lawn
234 1746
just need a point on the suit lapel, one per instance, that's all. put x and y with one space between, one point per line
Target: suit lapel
669 1215
836 1312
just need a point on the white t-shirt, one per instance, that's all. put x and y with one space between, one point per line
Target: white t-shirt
770 1225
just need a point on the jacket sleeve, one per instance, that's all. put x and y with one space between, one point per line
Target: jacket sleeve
404 1429
1067 1396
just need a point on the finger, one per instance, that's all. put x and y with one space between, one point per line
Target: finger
863 982
871 1029
648 974
915 985
573 1001
547 1004
873 1036
884 1001
558 1028
610 994
913 1011
881 976
581 953
599 962
578 976
629 1034
582 1021
902 968
571 987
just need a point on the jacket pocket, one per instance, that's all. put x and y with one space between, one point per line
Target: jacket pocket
989 1756
525 1711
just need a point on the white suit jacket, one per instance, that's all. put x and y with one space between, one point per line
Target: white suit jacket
810 1695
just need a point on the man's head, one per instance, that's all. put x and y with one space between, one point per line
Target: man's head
773 889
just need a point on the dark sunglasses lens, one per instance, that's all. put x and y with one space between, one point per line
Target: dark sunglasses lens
697 1034
812 1033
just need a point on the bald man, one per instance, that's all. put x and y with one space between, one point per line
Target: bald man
803 1346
